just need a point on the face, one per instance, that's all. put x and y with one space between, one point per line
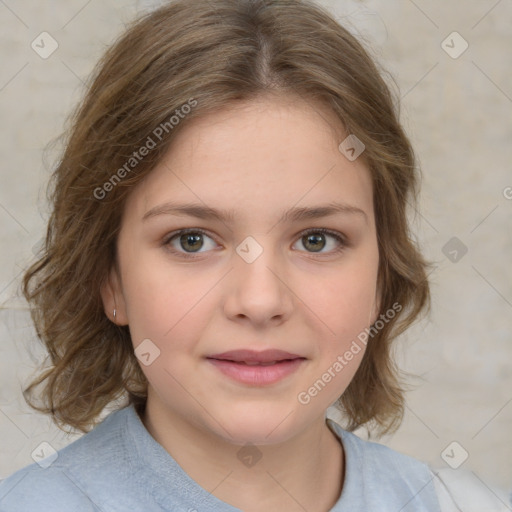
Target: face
254 236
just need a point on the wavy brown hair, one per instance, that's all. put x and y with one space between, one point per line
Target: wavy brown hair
217 53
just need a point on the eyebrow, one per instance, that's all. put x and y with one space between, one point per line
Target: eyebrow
294 214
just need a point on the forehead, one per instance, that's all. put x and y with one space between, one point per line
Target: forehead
257 155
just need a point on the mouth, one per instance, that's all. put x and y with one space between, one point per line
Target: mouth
256 363
256 368
252 357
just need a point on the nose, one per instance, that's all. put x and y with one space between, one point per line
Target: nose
258 292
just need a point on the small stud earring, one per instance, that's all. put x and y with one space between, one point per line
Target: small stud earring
114 313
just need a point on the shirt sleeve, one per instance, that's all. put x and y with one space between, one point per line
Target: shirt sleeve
463 491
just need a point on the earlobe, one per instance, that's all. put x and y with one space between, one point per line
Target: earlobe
113 299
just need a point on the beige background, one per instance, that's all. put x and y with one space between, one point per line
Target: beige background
458 112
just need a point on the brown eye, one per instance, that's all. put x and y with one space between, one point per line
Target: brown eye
191 242
314 242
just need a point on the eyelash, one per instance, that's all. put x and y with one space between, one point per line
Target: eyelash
342 241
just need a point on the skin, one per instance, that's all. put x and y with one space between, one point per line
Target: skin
257 159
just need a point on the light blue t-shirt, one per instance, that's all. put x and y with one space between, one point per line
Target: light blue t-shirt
119 467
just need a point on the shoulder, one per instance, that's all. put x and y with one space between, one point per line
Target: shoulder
379 478
381 460
444 489
464 490
454 490
33 489
62 481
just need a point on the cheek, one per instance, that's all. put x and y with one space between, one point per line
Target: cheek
347 298
167 309
161 297
344 310
171 308
162 293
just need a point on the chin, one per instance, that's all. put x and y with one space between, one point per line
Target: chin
261 427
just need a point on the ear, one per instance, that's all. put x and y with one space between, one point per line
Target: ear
113 298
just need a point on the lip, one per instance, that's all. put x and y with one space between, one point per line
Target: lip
265 368
253 356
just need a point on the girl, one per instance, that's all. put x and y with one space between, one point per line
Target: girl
228 256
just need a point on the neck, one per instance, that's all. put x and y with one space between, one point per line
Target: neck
303 473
